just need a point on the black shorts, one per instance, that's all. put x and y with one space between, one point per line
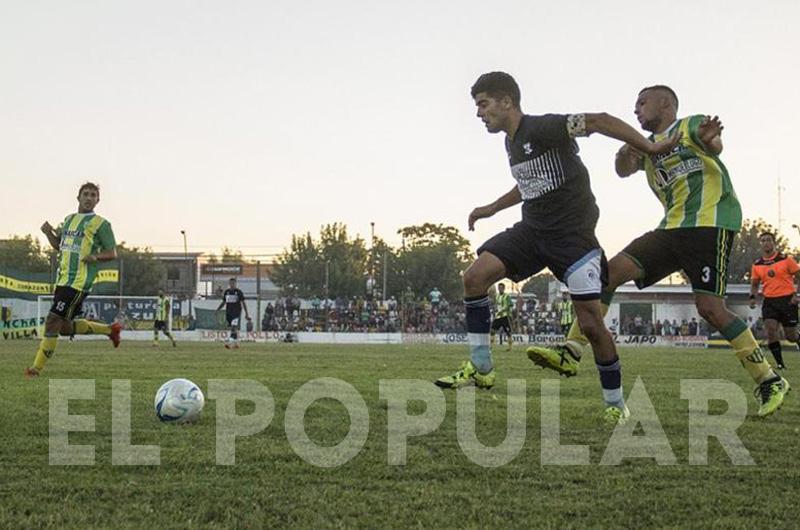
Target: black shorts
575 258
781 309
701 253
160 325
67 302
501 323
233 318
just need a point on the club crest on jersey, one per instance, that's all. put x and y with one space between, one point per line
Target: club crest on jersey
528 149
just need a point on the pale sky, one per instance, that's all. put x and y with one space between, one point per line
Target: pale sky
245 122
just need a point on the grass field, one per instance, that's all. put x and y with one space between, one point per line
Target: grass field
270 486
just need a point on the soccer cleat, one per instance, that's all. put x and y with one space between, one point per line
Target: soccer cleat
559 358
227 346
485 381
30 373
116 329
467 375
616 416
771 394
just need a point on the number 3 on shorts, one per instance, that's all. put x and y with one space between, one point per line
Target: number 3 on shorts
706 274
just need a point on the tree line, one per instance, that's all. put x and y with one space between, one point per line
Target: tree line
336 264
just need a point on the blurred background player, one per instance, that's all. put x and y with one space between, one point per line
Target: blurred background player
701 217
502 316
233 300
83 240
162 319
557 230
776 272
566 312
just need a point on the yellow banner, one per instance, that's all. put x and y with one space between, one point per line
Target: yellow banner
26 286
107 275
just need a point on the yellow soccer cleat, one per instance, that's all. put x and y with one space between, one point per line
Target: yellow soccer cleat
559 358
467 374
771 395
613 416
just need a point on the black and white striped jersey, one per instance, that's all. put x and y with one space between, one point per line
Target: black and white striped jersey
550 175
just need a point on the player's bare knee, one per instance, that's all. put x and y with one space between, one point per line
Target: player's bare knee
476 281
53 325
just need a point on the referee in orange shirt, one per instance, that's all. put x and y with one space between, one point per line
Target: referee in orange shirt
776 271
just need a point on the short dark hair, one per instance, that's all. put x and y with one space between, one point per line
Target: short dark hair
232 280
497 85
88 186
767 233
663 88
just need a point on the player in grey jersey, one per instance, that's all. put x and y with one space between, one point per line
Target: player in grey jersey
559 214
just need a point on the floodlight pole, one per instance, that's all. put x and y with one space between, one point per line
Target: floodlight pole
188 269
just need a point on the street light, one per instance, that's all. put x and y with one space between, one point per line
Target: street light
188 269
797 228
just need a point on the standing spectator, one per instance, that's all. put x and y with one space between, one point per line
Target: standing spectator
693 327
435 296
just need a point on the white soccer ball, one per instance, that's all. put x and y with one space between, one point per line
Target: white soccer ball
179 401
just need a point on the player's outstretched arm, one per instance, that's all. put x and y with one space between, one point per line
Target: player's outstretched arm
709 132
628 161
506 201
613 127
106 255
51 235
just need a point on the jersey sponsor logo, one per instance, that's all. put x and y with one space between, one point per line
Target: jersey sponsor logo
539 175
665 177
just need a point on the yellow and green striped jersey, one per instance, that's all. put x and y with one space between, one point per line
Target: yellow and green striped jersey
162 308
81 234
693 185
503 305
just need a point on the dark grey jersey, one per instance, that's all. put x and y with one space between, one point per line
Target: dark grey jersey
550 175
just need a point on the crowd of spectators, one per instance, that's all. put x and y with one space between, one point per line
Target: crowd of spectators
438 315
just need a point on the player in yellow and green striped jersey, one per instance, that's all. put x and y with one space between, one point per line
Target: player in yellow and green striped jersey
162 319
701 218
82 240
502 316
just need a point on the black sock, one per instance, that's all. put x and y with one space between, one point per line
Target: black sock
775 348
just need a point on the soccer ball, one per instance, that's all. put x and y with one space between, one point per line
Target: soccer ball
179 401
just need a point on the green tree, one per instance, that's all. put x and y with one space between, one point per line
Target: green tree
140 273
433 255
376 256
301 269
25 254
539 285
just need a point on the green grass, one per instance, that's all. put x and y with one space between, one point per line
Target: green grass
270 486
